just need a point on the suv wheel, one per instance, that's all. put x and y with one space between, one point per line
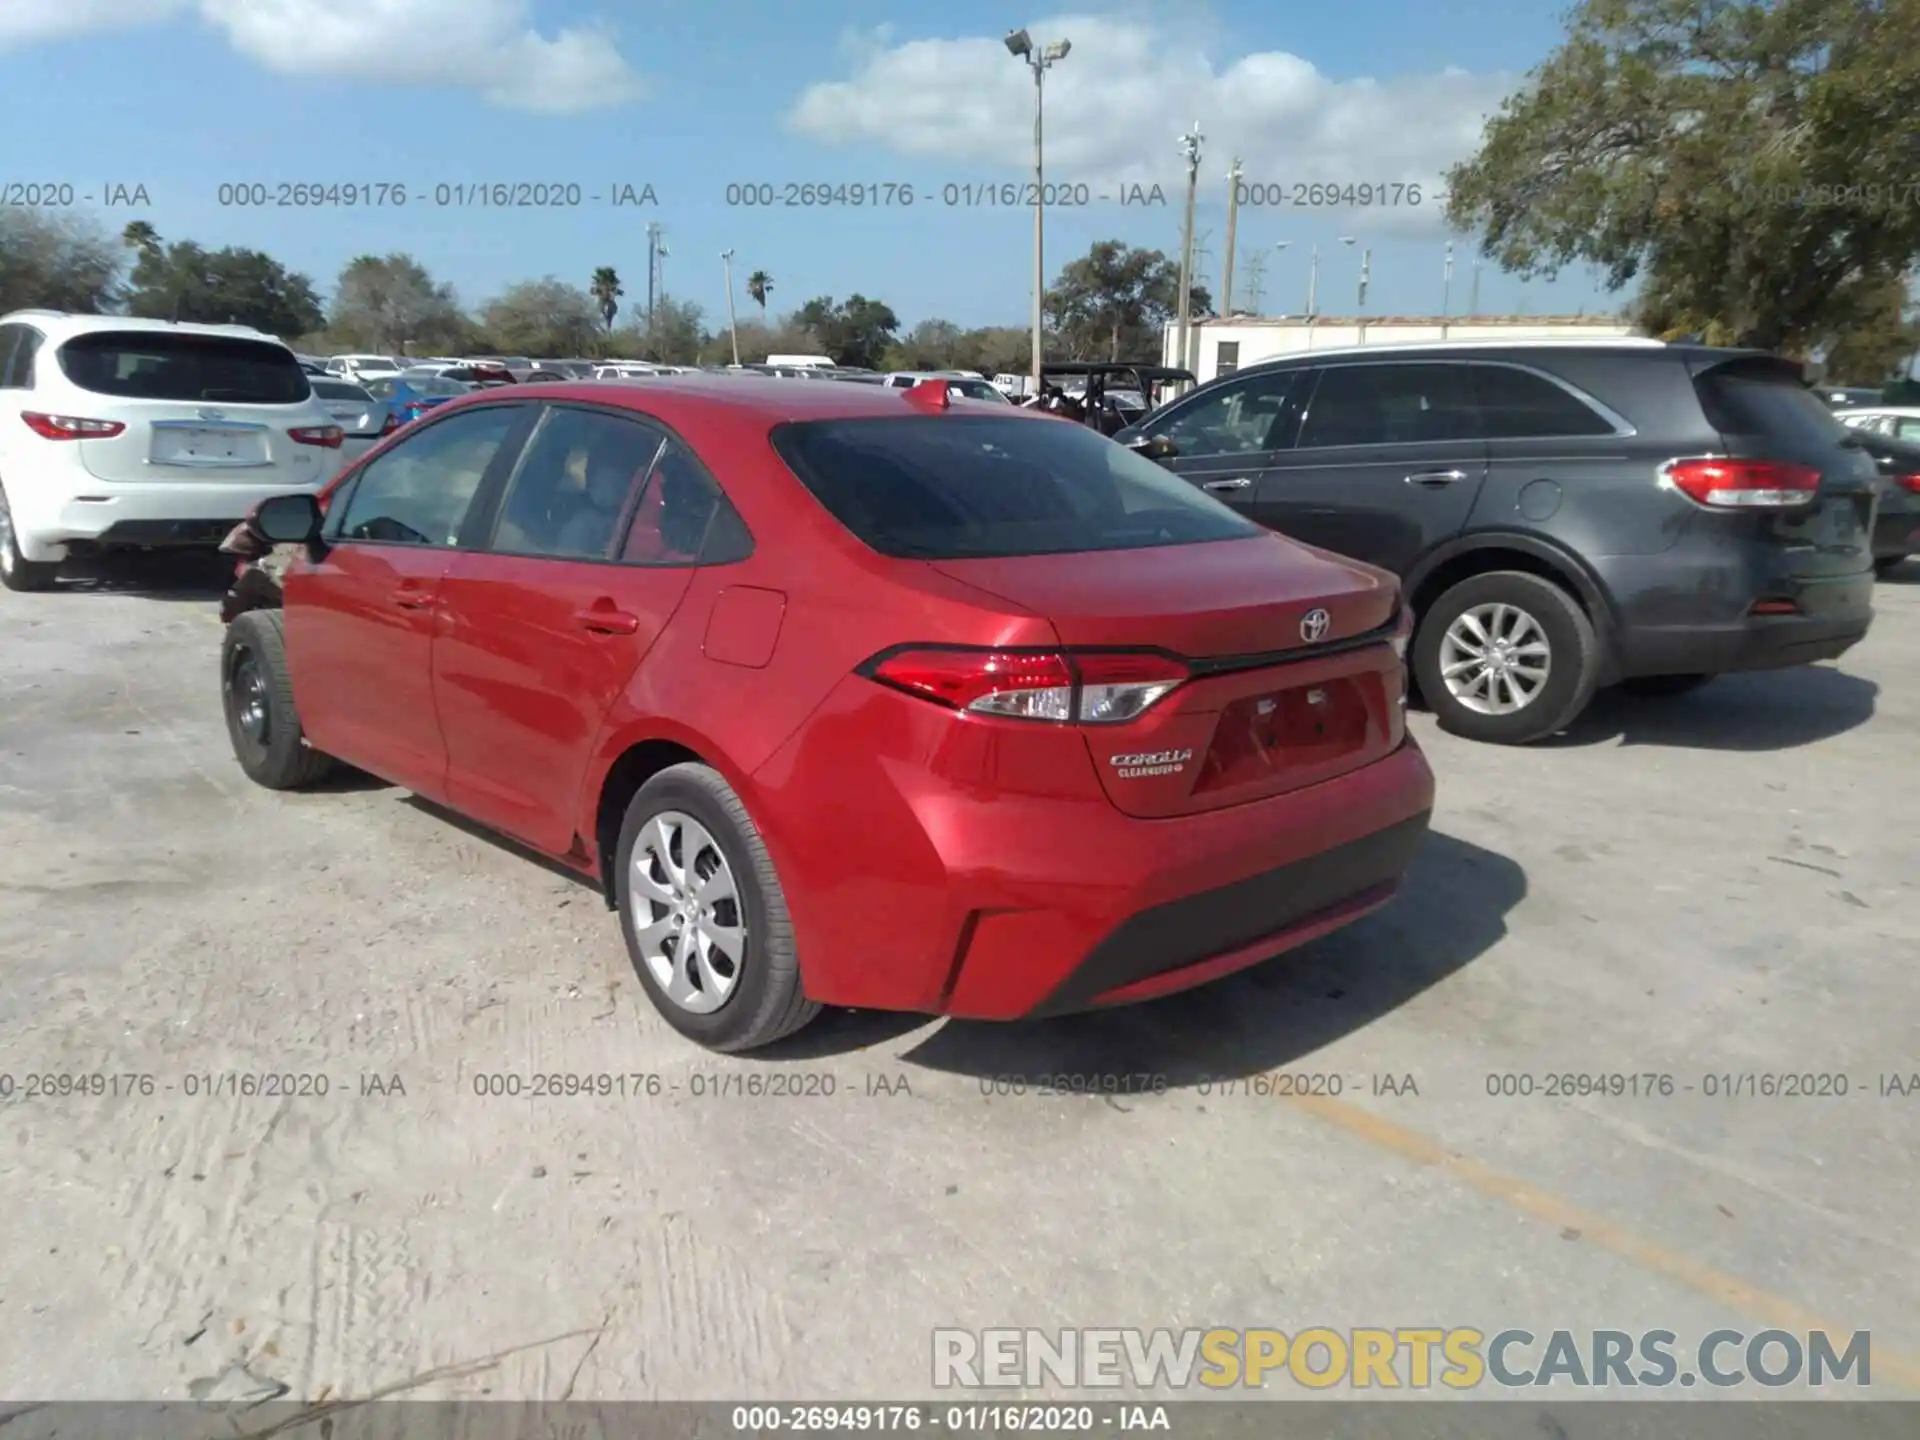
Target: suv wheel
256 691
1506 657
16 571
705 921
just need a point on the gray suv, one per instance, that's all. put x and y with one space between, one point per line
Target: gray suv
1563 515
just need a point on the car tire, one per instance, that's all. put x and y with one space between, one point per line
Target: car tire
256 694
1553 617
17 573
1887 564
763 999
1660 686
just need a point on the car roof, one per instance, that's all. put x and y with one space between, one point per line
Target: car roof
1466 349
700 395
60 324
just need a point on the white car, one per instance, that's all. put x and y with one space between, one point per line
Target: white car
119 433
362 368
1900 421
969 384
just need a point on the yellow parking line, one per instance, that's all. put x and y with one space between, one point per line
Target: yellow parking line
1657 1259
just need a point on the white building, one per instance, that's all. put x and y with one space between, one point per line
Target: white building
1218 347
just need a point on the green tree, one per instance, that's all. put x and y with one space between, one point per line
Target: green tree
759 283
855 331
231 286
56 262
1114 303
606 292
547 318
1753 161
677 335
1879 347
390 302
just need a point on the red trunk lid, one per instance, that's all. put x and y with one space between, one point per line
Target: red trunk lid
1267 710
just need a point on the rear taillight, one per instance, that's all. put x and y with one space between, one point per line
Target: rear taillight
391 423
1743 484
1909 483
1088 687
326 436
70 427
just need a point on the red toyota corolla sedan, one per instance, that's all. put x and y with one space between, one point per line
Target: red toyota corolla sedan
846 695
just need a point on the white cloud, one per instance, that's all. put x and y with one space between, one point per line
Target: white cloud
489 46
1117 105
24 22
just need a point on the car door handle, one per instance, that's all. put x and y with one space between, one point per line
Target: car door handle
605 620
1242 483
408 598
1434 479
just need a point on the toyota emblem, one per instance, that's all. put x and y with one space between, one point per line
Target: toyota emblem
1314 625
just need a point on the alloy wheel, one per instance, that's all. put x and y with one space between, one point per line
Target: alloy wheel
1495 658
686 912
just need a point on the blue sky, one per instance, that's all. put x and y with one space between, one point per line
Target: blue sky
183 96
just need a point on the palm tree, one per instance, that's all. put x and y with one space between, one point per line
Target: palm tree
758 284
139 235
606 289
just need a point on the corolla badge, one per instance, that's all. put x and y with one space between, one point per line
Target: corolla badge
1314 625
1150 762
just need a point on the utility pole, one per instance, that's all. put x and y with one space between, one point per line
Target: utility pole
1190 148
653 267
733 321
1446 284
1233 221
1473 296
1366 274
1313 284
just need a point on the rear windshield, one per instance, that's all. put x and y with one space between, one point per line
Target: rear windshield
338 390
951 487
1764 397
138 365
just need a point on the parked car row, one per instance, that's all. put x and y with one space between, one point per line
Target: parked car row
806 674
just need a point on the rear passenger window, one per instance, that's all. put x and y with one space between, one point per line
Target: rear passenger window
1390 405
1520 405
683 518
16 369
418 493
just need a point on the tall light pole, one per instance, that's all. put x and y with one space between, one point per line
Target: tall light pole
1190 148
1039 60
653 267
1473 298
1233 220
1366 274
1313 283
1446 284
733 321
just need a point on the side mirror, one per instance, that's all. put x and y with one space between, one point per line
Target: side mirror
288 519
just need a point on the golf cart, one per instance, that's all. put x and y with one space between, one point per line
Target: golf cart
1108 394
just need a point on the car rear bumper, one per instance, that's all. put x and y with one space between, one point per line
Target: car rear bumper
170 515
997 903
1834 615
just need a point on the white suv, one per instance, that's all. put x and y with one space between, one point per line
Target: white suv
119 433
